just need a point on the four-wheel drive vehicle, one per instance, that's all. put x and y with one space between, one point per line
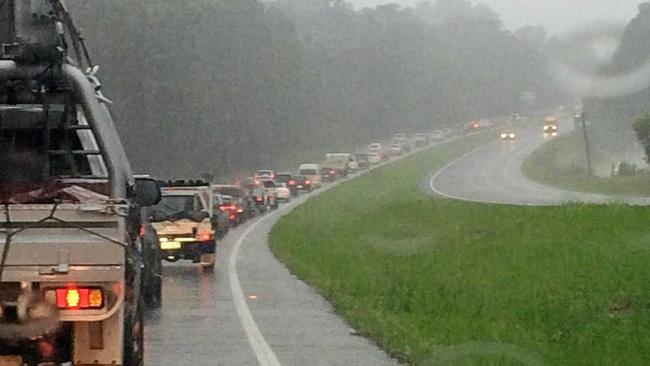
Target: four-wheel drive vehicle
312 172
240 200
184 222
551 125
71 269
421 140
341 163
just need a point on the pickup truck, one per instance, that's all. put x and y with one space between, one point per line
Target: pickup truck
184 221
72 257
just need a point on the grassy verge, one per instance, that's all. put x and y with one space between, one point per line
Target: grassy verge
436 281
555 164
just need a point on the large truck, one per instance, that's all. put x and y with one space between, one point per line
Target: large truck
339 163
71 245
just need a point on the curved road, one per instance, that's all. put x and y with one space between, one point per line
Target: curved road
250 311
493 173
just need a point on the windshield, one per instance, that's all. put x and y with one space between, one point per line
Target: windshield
175 204
308 172
230 191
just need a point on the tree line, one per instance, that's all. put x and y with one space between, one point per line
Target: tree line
215 86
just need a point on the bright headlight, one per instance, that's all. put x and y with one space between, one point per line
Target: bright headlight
503 135
512 135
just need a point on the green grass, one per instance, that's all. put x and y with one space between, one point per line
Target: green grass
560 163
435 281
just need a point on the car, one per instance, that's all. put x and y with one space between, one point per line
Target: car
265 174
401 140
508 135
328 174
289 180
220 216
341 163
271 194
303 183
377 148
283 192
183 222
362 160
438 136
239 197
421 140
311 171
229 207
551 126
374 158
395 150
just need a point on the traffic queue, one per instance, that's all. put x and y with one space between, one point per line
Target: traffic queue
193 215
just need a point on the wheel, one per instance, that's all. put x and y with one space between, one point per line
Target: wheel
134 334
207 261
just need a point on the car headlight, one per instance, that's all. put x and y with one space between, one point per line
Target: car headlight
503 135
546 128
512 135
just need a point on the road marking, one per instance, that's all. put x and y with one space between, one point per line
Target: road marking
263 352
260 346
442 170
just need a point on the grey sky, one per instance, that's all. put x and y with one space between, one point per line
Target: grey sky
556 15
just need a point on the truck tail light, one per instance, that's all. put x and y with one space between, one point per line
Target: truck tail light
78 298
203 236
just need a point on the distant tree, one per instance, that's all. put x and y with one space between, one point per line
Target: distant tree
642 130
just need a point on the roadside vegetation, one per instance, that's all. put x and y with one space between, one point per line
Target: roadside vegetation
560 163
436 281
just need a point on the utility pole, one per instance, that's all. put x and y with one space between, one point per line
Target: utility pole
580 118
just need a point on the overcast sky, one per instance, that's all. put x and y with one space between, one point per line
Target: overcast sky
557 16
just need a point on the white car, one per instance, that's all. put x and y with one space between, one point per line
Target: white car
283 192
438 136
374 158
395 150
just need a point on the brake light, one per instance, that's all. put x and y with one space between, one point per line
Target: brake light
240 210
141 231
78 298
204 236
258 198
292 182
307 182
331 172
227 207
232 217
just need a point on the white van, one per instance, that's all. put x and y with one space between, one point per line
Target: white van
312 172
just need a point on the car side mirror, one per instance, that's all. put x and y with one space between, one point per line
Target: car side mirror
146 192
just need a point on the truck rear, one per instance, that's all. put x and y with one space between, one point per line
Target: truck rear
70 208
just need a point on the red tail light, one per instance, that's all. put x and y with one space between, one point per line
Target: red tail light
228 207
307 182
292 182
141 231
203 236
258 199
74 298
232 217
331 172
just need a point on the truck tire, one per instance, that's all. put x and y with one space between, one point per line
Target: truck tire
134 334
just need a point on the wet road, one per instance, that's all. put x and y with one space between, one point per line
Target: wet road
492 173
250 311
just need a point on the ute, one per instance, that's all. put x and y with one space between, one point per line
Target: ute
185 222
72 257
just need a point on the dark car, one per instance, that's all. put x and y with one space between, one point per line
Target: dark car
303 183
289 180
240 200
220 216
362 161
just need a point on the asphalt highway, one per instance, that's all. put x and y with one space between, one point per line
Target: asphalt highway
492 173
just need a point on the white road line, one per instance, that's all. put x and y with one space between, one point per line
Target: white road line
260 346
435 176
263 352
